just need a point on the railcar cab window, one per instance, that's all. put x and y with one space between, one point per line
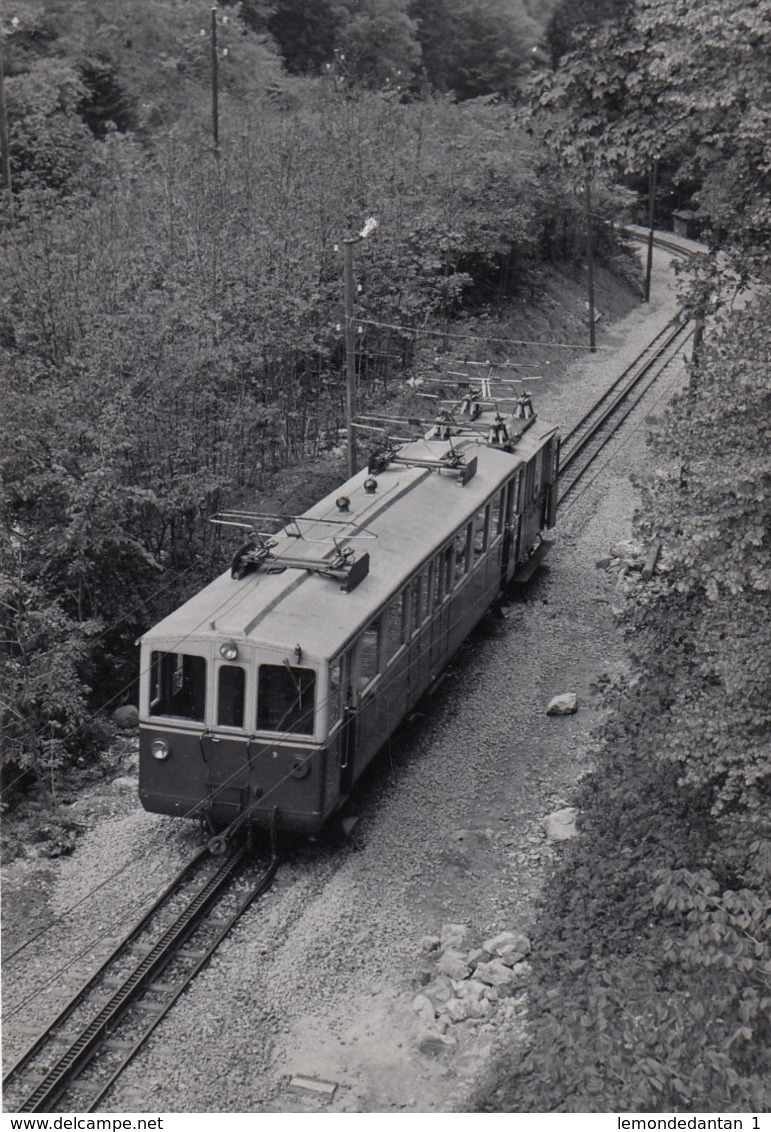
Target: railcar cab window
230 696
178 685
286 699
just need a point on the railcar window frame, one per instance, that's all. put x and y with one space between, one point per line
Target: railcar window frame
462 555
364 680
238 695
173 676
394 616
301 686
497 515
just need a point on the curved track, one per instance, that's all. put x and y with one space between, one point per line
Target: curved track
586 439
176 938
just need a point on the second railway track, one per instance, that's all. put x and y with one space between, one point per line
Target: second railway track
82 1052
583 443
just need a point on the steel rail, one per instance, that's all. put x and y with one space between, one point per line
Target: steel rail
256 890
633 372
614 415
59 1077
171 890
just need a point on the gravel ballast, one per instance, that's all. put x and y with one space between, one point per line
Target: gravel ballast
319 980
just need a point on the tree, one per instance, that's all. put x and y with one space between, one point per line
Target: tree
686 81
475 47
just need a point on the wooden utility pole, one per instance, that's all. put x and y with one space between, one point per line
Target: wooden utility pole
4 146
590 264
215 114
350 354
652 173
370 226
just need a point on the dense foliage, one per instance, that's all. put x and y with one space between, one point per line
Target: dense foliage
171 325
653 961
678 81
652 967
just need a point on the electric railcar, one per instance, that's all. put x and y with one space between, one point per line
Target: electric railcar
266 695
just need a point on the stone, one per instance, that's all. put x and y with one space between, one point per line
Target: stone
561 825
478 955
430 943
455 936
126 718
626 549
453 964
603 563
564 704
424 1009
472 990
494 973
439 991
125 782
507 942
520 974
432 1042
480 1008
511 958
456 1010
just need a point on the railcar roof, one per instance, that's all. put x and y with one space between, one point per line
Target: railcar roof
412 514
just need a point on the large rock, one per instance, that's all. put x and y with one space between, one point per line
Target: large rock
626 549
456 1010
126 717
438 991
494 974
432 1042
455 936
506 942
564 704
561 825
453 964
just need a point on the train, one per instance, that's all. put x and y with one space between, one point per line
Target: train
264 698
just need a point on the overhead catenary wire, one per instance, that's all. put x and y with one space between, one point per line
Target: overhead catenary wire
419 332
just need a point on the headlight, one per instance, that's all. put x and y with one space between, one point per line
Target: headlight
228 650
159 749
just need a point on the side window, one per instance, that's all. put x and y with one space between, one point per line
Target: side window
527 486
427 588
231 688
496 515
538 475
369 654
462 540
437 593
448 579
479 539
178 685
286 699
393 626
415 587
334 702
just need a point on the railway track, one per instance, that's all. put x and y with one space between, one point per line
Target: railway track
586 439
83 1051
